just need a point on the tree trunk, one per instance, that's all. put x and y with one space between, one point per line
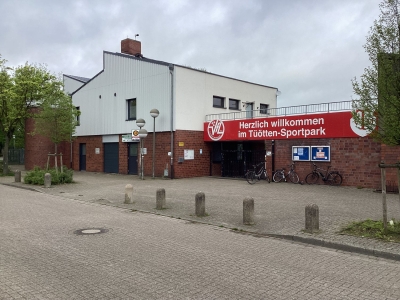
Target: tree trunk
55 158
5 155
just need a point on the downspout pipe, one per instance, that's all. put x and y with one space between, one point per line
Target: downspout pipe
171 71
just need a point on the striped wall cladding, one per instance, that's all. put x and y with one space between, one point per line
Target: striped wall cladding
103 101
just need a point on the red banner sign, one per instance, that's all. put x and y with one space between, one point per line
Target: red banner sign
326 125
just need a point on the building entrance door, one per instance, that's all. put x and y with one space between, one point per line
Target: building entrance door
249 110
82 157
133 158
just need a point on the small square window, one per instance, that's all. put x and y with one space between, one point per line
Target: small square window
234 104
131 104
264 109
218 102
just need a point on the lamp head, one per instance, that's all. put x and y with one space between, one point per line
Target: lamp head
140 123
154 113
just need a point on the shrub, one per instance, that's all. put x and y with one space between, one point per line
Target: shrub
36 176
10 173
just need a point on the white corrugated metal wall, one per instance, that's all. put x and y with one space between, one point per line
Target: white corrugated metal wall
124 78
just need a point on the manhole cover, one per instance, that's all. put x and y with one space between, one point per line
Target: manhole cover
89 231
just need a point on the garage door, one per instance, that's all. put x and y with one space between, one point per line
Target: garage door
111 157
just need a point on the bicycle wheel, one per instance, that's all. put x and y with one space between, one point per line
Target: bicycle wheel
278 176
293 177
334 179
251 177
312 178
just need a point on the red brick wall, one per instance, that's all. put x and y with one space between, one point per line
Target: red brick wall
37 148
200 165
193 140
391 155
94 162
356 159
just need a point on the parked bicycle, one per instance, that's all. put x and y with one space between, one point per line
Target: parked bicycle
330 177
252 176
280 175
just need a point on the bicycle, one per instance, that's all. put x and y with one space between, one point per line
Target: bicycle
252 176
331 177
279 175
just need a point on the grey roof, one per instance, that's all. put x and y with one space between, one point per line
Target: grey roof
81 79
142 58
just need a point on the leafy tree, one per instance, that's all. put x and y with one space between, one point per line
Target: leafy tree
21 89
56 119
378 107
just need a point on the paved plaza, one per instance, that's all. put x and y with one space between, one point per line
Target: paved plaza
279 207
149 256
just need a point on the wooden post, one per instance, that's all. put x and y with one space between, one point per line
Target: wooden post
48 161
61 162
398 179
384 204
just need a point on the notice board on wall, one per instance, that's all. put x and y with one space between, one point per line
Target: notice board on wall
300 153
320 153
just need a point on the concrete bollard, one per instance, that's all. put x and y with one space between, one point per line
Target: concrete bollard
312 218
200 204
248 211
17 176
47 180
128 194
160 199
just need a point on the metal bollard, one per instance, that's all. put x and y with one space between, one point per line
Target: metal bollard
47 180
128 194
312 217
160 199
248 211
17 176
200 204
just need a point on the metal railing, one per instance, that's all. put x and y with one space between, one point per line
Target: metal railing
286 111
16 156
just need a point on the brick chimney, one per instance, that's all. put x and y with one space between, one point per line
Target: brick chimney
132 47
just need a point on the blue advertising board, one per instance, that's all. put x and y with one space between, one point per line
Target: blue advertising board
300 153
320 153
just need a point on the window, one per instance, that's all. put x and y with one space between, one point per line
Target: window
131 103
264 109
234 104
78 116
218 102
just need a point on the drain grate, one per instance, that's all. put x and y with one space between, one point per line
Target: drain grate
90 231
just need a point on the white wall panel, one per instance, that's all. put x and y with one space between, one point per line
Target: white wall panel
195 91
149 83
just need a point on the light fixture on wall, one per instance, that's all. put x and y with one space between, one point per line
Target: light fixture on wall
154 113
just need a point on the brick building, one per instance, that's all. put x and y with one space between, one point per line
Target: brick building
204 125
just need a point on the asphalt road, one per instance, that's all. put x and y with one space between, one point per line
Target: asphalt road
146 256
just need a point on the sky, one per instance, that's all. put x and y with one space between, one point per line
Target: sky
309 49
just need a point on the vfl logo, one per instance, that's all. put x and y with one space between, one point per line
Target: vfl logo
215 130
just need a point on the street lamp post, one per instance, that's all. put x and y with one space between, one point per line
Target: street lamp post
154 113
142 134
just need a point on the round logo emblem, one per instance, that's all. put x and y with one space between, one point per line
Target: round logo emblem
216 130
361 131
